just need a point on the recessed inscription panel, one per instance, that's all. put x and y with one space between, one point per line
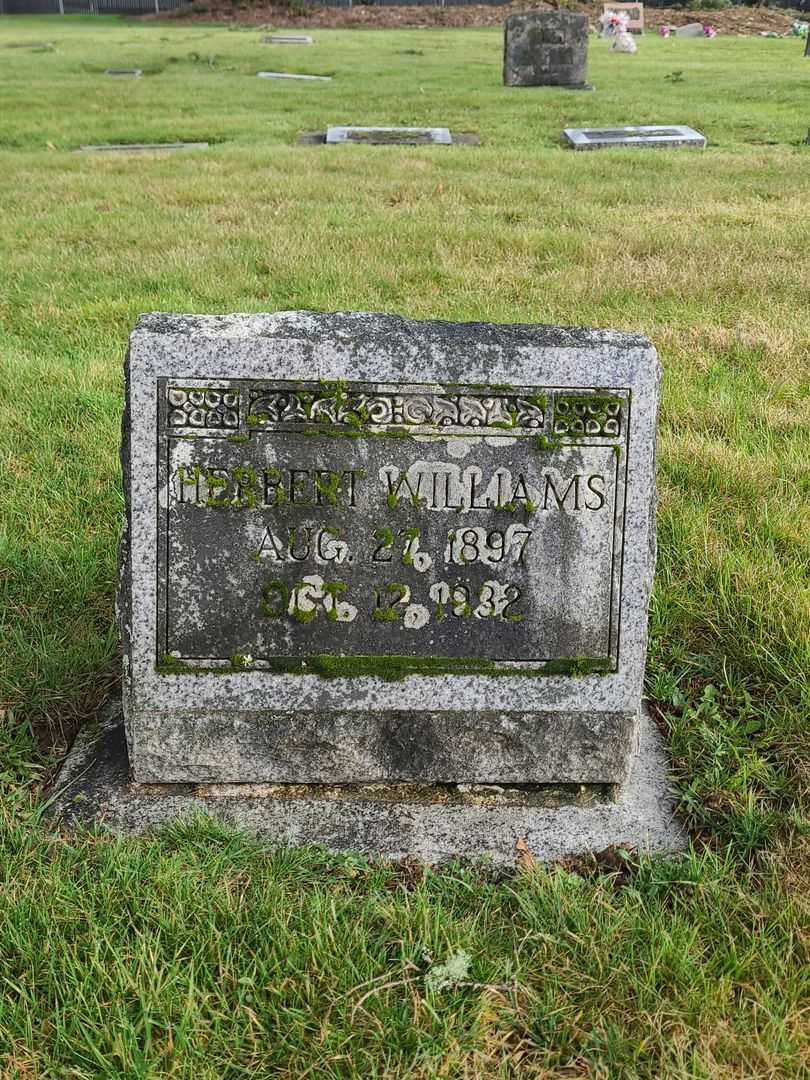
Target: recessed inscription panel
480 525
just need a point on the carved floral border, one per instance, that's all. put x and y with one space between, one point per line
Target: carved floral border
383 409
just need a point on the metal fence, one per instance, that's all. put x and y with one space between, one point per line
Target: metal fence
87 7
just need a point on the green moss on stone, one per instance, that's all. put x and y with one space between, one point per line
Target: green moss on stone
544 444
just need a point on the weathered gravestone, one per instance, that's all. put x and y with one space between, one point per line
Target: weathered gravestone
361 548
546 48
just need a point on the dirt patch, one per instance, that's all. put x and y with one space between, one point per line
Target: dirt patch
737 20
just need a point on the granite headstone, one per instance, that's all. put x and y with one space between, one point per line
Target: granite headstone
362 548
546 48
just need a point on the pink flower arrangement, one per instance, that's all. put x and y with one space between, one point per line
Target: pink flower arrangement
665 30
709 31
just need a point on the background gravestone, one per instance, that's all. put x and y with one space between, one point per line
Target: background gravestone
546 48
361 548
634 12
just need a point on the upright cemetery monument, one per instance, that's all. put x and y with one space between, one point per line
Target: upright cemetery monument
546 48
365 549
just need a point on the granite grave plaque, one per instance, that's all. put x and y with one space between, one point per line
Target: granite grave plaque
390 136
647 135
128 148
291 75
288 39
362 548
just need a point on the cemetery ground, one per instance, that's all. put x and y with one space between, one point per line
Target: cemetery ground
204 953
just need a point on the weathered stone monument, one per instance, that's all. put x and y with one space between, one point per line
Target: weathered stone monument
361 548
546 48
372 564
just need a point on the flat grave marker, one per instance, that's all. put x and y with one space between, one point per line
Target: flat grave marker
36 46
390 136
362 548
290 75
120 148
288 39
647 135
131 73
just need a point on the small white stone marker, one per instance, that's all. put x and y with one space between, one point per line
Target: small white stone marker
387 136
289 75
132 73
37 46
647 135
288 39
129 147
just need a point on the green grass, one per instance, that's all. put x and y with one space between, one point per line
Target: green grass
203 954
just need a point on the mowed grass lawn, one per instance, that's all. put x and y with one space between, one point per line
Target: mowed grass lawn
206 954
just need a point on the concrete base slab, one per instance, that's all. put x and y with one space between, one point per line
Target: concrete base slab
431 822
